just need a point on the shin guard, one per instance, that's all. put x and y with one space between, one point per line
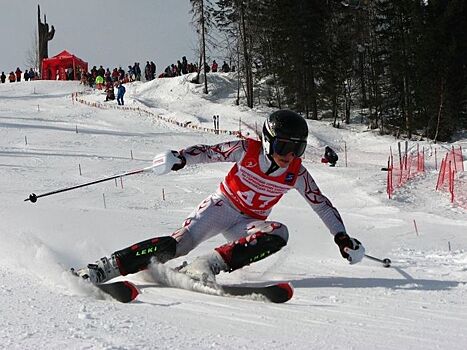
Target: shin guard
250 249
138 256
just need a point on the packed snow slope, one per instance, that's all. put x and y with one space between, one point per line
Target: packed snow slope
46 140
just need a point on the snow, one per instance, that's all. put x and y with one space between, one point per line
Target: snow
418 303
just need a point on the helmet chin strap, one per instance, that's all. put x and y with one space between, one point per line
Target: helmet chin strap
273 167
267 147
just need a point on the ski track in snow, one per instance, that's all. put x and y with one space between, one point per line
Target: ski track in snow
418 303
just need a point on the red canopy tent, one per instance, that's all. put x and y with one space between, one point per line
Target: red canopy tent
56 67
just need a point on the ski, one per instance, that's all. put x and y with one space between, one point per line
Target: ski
122 291
275 293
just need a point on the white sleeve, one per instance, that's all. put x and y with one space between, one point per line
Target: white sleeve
232 151
319 202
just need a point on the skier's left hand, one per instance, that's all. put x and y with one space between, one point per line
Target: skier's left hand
351 248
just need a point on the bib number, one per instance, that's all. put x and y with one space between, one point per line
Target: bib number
255 200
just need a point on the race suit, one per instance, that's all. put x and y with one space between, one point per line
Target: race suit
245 197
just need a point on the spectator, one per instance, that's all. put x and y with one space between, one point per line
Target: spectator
153 70
206 67
168 72
32 75
3 77
121 74
184 65
225 67
84 78
101 71
94 72
99 82
115 74
214 66
12 77
120 93
91 80
131 73
174 70
26 75
192 68
70 74
137 70
110 94
179 67
147 71
18 74
108 76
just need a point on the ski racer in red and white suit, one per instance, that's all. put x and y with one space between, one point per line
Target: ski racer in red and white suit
262 173
247 194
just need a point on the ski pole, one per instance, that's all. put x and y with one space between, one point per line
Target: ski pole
386 261
33 197
161 164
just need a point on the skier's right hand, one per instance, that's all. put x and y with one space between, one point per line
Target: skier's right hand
163 163
181 163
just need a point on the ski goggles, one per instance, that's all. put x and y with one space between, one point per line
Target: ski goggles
283 147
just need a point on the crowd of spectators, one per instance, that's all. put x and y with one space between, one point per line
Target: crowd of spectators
183 67
18 75
215 67
180 68
104 79
107 80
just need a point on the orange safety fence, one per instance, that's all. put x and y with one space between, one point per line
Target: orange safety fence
399 173
451 177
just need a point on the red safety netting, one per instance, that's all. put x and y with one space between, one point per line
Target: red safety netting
451 177
408 166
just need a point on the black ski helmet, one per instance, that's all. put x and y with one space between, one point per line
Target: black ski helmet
284 131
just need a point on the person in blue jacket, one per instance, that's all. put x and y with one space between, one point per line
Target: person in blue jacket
120 92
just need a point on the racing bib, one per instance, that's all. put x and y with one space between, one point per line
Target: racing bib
252 191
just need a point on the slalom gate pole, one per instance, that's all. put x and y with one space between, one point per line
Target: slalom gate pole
33 197
386 262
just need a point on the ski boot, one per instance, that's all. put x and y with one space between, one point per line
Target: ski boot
129 260
233 256
205 268
101 271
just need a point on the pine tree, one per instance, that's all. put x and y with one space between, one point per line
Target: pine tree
201 19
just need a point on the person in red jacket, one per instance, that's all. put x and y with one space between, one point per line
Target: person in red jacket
214 66
18 73
262 173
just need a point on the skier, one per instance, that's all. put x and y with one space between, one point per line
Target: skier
263 171
329 156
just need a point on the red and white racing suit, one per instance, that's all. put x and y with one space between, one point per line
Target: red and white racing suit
246 196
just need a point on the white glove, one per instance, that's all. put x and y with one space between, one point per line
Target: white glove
351 248
165 162
355 255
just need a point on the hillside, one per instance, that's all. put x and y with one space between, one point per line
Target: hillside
419 303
